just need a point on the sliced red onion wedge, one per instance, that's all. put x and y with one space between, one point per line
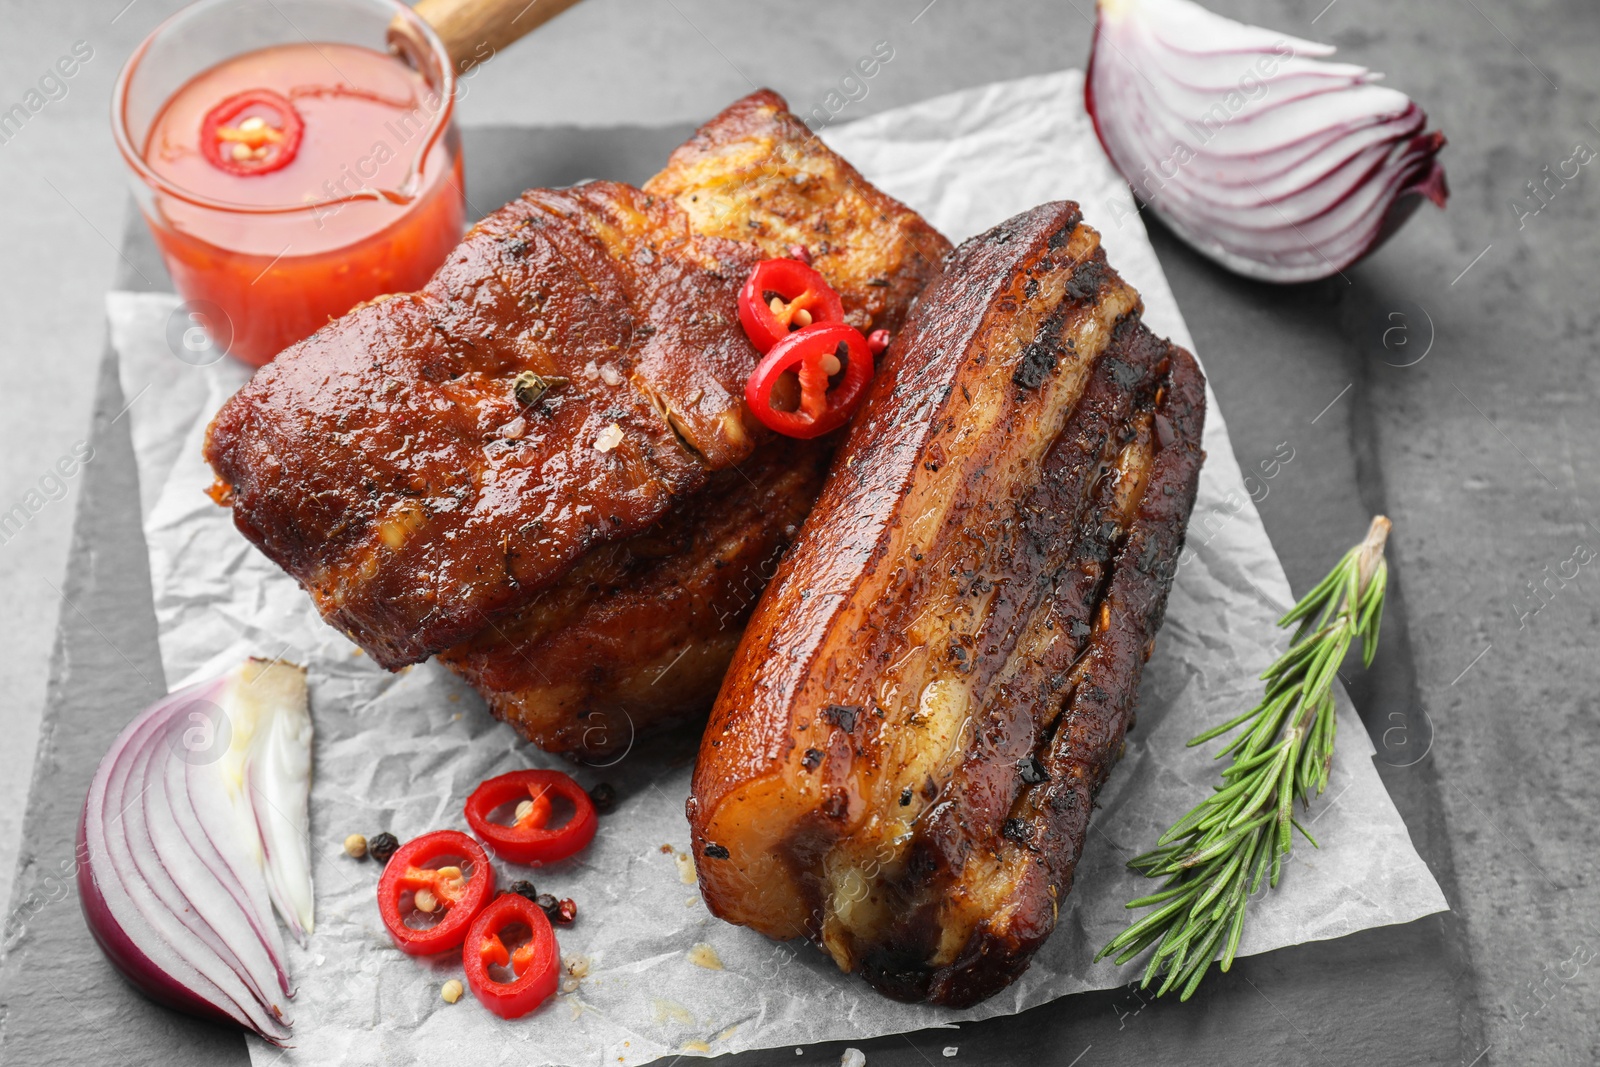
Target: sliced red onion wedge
174 882
1249 146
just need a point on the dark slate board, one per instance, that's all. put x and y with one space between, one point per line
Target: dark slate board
1275 356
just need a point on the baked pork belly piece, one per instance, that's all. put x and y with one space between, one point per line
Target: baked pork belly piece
480 467
903 757
431 460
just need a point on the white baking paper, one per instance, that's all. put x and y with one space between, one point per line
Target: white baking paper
400 752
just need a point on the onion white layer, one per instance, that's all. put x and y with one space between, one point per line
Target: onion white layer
1253 149
194 826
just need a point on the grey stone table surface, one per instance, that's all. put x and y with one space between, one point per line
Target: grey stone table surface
1484 453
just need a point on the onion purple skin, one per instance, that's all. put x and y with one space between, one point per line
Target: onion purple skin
126 957
1412 173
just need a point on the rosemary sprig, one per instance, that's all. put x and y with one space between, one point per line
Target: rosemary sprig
1214 858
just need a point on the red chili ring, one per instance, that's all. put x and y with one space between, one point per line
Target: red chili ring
799 288
536 964
281 142
529 840
461 900
823 406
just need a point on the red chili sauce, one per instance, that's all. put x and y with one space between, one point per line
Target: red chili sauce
302 124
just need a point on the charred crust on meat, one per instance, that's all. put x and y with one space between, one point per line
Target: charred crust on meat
842 715
716 852
1032 609
1031 771
836 806
812 759
1087 281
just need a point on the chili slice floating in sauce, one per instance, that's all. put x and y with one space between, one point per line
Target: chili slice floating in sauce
460 896
530 839
253 144
534 964
817 355
784 295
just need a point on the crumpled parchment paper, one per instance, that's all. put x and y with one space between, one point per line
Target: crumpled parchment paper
400 752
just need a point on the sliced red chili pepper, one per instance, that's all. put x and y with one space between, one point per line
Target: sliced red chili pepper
453 895
254 132
530 838
784 295
833 365
535 964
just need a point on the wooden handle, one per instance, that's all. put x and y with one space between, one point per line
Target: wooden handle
474 30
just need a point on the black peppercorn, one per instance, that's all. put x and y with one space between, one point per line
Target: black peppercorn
381 846
716 852
604 796
524 888
548 904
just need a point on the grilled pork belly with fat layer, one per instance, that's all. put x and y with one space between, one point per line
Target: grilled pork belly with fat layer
432 465
903 757
428 461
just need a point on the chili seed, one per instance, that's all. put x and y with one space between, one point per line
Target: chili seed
382 846
524 810
604 796
451 991
776 304
524 888
802 318
355 846
426 901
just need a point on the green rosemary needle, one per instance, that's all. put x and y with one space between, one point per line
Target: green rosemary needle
1214 858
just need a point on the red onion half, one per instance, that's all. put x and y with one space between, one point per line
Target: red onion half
1277 165
175 880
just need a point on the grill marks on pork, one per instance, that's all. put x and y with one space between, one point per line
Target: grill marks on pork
981 580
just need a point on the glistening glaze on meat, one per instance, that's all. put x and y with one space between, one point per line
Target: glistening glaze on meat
388 464
902 759
636 637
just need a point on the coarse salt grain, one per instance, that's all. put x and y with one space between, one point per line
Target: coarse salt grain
609 438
